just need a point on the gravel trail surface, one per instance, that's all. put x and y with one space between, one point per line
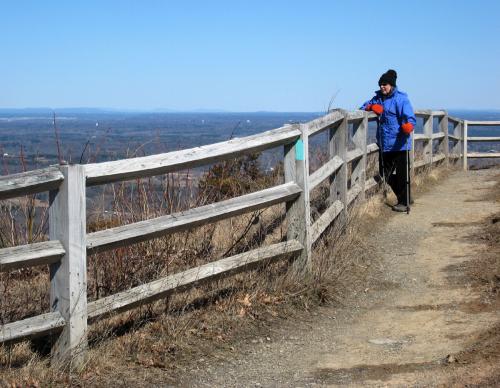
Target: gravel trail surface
410 324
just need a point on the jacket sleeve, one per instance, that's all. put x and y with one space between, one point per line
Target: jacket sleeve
371 101
407 115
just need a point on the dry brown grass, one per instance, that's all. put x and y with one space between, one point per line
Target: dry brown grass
166 336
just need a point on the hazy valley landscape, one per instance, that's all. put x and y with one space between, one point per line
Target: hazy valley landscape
95 135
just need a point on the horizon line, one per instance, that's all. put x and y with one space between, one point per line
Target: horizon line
196 110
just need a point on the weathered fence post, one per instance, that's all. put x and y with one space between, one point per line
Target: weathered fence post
457 132
338 147
298 211
455 152
428 144
359 135
68 278
443 127
465 130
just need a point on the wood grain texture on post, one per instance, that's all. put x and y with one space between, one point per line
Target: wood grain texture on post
428 124
337 147
68 278
298 213
443 127
359 136
465 131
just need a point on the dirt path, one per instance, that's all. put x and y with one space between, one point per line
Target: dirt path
405 325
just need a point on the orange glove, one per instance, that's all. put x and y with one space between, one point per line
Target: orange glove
377 108
368 107
407 128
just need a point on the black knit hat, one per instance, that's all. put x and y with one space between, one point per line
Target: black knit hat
389 77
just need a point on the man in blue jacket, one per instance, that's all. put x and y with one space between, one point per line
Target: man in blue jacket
395 124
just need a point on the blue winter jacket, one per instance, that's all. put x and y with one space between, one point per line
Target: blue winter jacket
397 111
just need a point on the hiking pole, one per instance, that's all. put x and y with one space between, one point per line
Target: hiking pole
407 181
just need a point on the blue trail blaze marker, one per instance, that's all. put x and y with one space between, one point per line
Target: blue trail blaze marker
299 150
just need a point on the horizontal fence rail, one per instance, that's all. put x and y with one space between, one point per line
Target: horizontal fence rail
466 139
344 174
325 122
30 182
484 138
107 172
32 327
160 288
483 123
145 230
24 256
325 171
483 154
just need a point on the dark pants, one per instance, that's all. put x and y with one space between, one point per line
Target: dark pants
393 166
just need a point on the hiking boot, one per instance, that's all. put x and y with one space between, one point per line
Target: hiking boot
399 208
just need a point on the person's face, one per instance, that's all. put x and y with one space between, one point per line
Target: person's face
385 89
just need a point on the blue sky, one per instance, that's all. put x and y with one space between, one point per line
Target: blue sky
247 55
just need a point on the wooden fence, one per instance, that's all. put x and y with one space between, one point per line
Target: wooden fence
66 251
